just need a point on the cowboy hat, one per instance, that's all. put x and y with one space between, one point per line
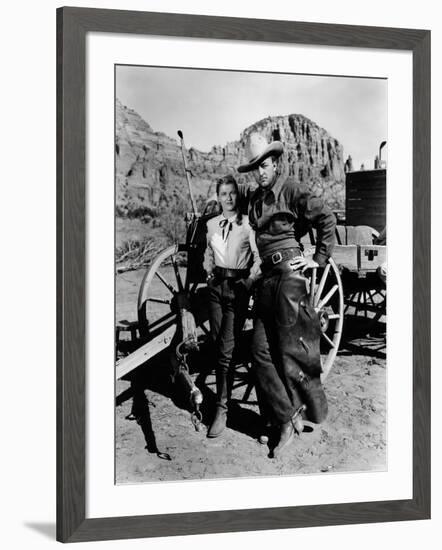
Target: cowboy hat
257 150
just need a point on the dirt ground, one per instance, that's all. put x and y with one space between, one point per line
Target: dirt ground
156 440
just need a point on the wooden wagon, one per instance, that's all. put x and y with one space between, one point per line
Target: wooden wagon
172 311
172 306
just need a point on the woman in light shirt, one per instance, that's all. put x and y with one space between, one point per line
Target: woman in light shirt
232 264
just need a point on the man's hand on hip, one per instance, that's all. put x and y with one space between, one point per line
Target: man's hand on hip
303 263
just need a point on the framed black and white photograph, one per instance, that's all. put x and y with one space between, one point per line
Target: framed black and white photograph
234 322
177 352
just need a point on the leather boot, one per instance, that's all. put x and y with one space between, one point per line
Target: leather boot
223 392
286 436
219 422
288 430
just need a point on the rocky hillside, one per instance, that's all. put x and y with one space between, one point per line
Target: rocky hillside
150 178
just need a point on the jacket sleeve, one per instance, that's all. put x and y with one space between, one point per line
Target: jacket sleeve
209 257
315 212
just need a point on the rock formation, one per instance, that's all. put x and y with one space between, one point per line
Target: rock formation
150 176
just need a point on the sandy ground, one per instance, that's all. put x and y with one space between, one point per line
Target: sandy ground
162 443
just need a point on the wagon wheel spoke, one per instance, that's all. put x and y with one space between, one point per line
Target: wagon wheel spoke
203 327
369 292
348 302
193 288
158 300
168 318
381 293
177 274
334 316
328 340
364 301
354 300
165 283
321 285
186 282
312 285
327 297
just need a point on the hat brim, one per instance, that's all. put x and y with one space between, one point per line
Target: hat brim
274 149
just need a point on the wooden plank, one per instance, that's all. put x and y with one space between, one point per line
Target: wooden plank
144 353
377 184
365 176
346 256
366 195
372 257
367 206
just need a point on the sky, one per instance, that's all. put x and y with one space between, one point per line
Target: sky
213 107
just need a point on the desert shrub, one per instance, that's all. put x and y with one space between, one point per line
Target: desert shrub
134 253
171 221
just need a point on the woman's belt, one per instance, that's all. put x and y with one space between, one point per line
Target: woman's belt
226 273
278 259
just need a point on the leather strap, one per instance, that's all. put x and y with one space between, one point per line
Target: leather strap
278 257
226 273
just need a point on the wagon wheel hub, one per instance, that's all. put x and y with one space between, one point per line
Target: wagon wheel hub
180 300
323 320
174 304
166 289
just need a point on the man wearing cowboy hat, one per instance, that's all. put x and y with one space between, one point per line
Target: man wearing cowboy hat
286 336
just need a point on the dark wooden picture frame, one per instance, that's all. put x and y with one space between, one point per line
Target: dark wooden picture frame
73 24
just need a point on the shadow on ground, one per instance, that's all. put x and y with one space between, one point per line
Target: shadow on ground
156 375
48 530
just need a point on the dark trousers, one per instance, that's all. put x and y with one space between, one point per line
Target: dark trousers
285 349
228 302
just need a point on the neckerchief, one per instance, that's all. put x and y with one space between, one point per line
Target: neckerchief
226 225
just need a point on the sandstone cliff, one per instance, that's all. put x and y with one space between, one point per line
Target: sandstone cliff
150 178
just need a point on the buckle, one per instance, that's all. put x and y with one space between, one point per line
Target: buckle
276 257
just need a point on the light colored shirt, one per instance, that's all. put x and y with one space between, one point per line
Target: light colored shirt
231 245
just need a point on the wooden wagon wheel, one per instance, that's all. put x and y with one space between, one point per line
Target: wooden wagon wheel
367 304
164 283
326 295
